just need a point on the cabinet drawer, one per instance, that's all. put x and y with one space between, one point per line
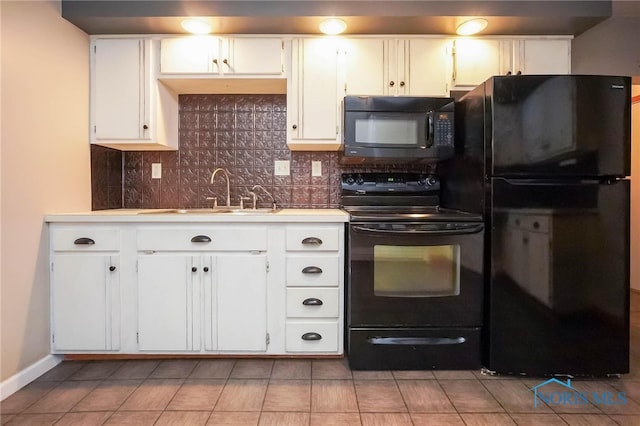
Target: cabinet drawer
311 336
312 302
535 223
85 239
313 238
203 239
313 271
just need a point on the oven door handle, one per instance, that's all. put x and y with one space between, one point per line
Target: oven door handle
461 230
429 341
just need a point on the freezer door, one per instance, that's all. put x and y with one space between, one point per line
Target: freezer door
559 125
559 276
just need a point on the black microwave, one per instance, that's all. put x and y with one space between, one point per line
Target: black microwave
398 128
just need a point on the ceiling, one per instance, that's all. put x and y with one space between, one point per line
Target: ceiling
506 17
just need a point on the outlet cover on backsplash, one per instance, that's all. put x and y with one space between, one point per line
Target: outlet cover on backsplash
244 134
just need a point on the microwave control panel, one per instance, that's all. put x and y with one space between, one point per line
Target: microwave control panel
443 128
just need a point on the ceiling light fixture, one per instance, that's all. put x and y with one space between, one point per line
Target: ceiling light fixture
333 26
471 27
196 26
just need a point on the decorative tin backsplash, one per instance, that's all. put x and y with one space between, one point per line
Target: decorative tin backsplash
244 134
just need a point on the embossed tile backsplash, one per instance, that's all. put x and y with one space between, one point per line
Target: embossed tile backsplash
244 134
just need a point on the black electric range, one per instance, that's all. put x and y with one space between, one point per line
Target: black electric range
414 282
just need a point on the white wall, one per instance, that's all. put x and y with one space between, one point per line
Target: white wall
45 164
610 48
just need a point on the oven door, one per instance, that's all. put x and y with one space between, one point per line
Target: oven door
415 274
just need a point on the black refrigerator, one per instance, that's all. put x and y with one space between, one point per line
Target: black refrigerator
545 160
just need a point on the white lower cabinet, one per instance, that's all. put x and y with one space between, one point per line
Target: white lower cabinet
242 309
84 302
212 297
211 288
170 301
314 279
85 289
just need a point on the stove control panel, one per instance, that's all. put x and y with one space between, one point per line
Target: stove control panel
390 182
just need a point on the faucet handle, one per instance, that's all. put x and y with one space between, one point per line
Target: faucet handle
254 199
242 200
215 201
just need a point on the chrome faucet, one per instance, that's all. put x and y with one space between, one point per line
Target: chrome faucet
226 176
274 205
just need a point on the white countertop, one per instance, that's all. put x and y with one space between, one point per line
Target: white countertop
161 215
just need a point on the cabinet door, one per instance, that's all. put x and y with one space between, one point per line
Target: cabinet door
475 60
189 55
85 305
119 89
428 71
313 101
365 72
253 56
543 56
242 302
168 303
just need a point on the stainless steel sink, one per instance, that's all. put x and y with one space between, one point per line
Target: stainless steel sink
235 210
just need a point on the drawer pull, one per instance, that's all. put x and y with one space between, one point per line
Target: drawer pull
194 269
312 241
414 341
201 239
112 268
311 336
206 269
84 241
536 225
312 301
312 270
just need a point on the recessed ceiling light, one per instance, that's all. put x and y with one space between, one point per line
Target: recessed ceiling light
472 26
196 26
333 26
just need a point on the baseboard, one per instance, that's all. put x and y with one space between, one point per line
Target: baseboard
28 375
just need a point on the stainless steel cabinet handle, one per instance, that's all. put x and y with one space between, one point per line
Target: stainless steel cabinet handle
84 241
312 301
312 241
311 336
311 270
201 239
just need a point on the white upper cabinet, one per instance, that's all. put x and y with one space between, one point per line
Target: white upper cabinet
365 66
222 56
429 68
130 109
415 67
475 59
313 96
542 56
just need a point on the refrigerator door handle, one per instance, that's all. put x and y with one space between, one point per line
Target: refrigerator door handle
557 182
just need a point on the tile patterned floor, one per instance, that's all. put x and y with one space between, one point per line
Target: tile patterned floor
302 392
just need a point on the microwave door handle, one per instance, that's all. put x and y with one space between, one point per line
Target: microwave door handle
472 229
428 131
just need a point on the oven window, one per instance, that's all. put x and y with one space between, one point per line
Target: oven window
416 271
387 130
